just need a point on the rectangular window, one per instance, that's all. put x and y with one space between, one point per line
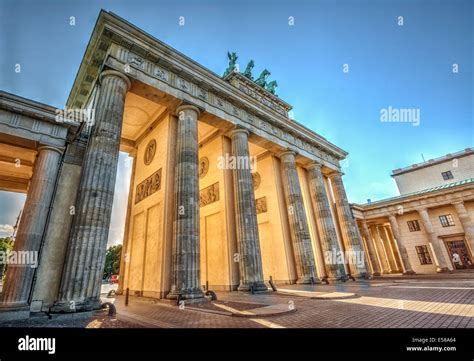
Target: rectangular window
413 226
423 254
447 175
446 220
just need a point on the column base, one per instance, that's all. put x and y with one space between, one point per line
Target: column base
442 270
376 274
362 276
409 273
255 287
188 294
89 304
13 313
308 280
340 279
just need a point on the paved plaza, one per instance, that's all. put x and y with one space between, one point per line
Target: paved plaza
418 302
438 301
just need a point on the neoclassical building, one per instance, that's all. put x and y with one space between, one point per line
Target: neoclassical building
432 219
226 191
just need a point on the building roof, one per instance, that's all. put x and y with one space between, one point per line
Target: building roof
434 161
419 193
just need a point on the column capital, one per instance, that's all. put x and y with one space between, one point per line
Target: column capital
335 174
286 153
314 165
392 215
421 209
117 74
238 131
48 147
457 202
184 107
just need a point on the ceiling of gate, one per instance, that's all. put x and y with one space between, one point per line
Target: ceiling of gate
142 113
16 167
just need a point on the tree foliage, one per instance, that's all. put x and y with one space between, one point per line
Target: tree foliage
6 245
112 261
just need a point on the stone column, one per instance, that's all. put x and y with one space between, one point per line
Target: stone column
435 242
371 249
396 253
19 277
407 268
325 222
84 264
392 263
466 222
299 230
185 273
250 262
380 249
349 228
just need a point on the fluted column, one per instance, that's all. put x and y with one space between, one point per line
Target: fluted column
84 264
19 277
435 242
373 229
392 263
325 222
299 230
466 222
186 277
371 249
250 262
408 269
348 227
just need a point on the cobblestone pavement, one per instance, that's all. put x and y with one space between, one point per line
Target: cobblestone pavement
446 301
392 302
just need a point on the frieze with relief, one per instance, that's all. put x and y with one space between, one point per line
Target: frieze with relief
149 186
261 205
209 195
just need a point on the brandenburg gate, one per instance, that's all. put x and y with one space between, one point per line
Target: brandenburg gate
226 190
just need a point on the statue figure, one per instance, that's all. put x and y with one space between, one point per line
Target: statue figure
272 86
248 70
262 79
232 63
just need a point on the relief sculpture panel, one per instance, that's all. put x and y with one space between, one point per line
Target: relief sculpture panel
209 195
149 186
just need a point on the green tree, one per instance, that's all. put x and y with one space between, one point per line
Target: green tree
112 261
6 245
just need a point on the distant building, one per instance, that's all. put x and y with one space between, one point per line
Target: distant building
432 220
453 167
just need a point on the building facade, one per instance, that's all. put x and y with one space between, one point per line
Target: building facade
421 230
226 191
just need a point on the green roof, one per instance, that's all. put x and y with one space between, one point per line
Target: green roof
420 192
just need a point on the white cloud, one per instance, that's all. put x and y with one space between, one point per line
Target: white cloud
6 230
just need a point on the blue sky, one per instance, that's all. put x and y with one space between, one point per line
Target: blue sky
409 66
